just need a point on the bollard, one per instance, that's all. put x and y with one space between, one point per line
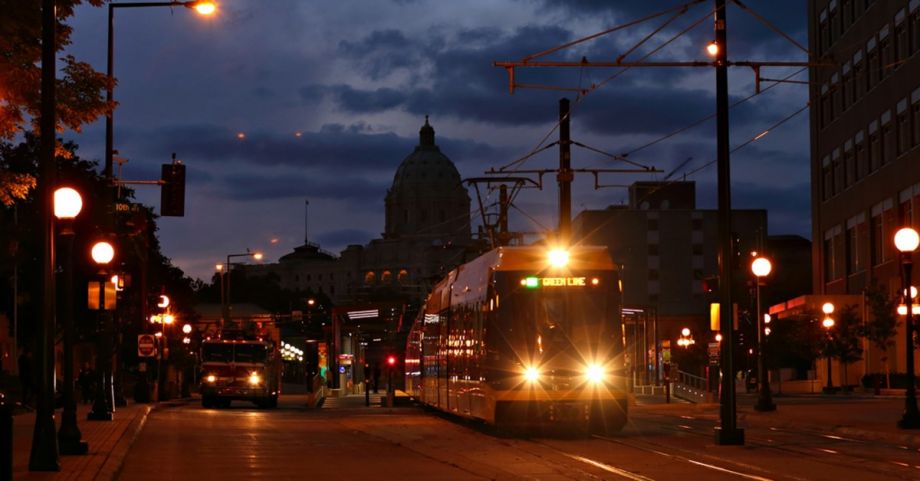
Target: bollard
6 439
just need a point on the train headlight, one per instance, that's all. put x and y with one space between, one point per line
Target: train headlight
255 379
211 378
558 257
531 374
595 374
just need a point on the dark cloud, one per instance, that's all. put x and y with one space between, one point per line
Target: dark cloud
349 188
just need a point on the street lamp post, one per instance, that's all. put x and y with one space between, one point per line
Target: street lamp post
67 205
102 254
828 323
203 7
906 240
761 267
226 295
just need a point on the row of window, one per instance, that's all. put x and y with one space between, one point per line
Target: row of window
835 19
870 65
891 135
852 247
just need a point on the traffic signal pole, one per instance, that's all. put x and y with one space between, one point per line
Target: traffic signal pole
727 433
565 174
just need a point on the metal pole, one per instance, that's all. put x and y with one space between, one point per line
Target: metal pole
227 294
44 454
565 175
657 353
764 398
69 435
16 295
911 417
727 433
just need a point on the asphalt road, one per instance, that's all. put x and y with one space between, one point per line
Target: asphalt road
346 442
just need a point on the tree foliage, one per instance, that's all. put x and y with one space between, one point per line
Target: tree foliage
79 87
882 325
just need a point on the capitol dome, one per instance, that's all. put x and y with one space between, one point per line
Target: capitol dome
427 198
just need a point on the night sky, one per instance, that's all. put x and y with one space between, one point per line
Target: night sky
330 95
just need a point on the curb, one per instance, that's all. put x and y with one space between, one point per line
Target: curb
111 468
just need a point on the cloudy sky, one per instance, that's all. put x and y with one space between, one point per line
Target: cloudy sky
329 97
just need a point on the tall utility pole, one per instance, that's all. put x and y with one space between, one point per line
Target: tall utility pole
727 433
565 174
44 454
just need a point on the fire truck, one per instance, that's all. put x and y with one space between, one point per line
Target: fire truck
240 366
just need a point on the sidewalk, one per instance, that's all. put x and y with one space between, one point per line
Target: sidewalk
865 417
109 442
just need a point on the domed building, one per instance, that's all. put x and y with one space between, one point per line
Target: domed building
427 199
427 233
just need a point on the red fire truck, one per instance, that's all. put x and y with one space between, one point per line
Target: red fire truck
235 367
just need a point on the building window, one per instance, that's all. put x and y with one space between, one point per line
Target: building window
697 249
849 163
653 249
386 277
370 278
905 212
874 68
847 86
901 38
859 74
886 51
915 113
403 276
653 224
823 32
846 11
914 27
826 114
827 187
854 262
838 171
903 127
653 274
889 144
862 161
876 240
830 272
875 147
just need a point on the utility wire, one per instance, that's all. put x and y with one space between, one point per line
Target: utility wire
770 25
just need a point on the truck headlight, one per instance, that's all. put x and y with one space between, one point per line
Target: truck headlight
255 379
532 374
211 379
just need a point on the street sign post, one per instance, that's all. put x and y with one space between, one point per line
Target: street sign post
146 345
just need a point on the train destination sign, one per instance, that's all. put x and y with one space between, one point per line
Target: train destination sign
533 282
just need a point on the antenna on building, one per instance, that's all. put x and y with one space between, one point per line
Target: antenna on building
306 219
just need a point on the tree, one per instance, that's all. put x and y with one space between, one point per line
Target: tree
79 90
843 339
882 326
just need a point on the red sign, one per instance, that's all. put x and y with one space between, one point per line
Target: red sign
146 345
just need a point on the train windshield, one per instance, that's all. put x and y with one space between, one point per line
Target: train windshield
553 318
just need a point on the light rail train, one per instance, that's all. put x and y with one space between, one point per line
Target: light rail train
524 337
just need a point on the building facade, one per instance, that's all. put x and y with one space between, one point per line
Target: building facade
427 233
667 247
865 152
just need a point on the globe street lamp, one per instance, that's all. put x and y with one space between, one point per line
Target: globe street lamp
102 253
906 240
761 267
828 323
226 297
67 205
203 7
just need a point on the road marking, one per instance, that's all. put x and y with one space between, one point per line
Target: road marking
828 451
829 436
684 426
724 470
609 468
899 463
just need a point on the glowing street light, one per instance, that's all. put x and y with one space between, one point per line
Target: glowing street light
102 252
761 267
713 48
203 7
828 324
67 206
225 287
907 240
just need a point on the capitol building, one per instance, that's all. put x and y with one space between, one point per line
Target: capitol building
426 234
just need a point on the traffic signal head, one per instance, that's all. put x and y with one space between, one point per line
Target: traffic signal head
391 360
172 192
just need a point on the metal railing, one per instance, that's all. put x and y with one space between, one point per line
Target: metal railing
689 386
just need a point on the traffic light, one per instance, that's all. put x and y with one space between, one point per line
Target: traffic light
710 284
391 360
172 191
